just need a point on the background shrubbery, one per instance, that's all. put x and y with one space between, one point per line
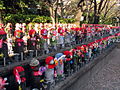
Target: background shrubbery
14 18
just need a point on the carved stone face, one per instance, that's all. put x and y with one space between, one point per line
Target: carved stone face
44 32
33 34
52 62
19 35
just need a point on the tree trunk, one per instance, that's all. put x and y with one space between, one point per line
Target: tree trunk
78 17
52 15
56 16
96 14
0 16
96 19
53 20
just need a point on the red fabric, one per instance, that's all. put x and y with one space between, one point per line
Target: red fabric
72 28
16 71
2 32
37 73
97 41
1 24
17 76
32 31
48 59
54 33
51 66
66 30
44 33
89 29
32 67
23 79
90 45
74 50
15 33
78 47
45 37
19 69
118 34
66 53
105 38
85 51
1 43
77 29
19 40
60 30
84 46
68 59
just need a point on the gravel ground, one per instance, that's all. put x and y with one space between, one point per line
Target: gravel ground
104 76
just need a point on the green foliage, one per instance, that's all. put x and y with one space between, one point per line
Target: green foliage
61 20
19 18
42 19
1 5
105 20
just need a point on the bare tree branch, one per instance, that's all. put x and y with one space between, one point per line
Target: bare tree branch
91 2
100 5
95 6
107 5
103 6
80 3
109 9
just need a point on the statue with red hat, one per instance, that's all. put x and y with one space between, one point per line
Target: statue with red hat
68 62
73 36
37 74
44 39
86 54
68 37
89 31
3 44
19 43
53 38
50 72
19 74
90 47
94 50
77 57
83 54
60 41
59 59
78 35
32 42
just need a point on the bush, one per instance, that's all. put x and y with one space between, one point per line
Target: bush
42 19
14 18
19 18
61 20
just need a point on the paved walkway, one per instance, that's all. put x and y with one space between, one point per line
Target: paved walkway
105 77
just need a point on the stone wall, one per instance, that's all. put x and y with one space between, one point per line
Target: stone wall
86 72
